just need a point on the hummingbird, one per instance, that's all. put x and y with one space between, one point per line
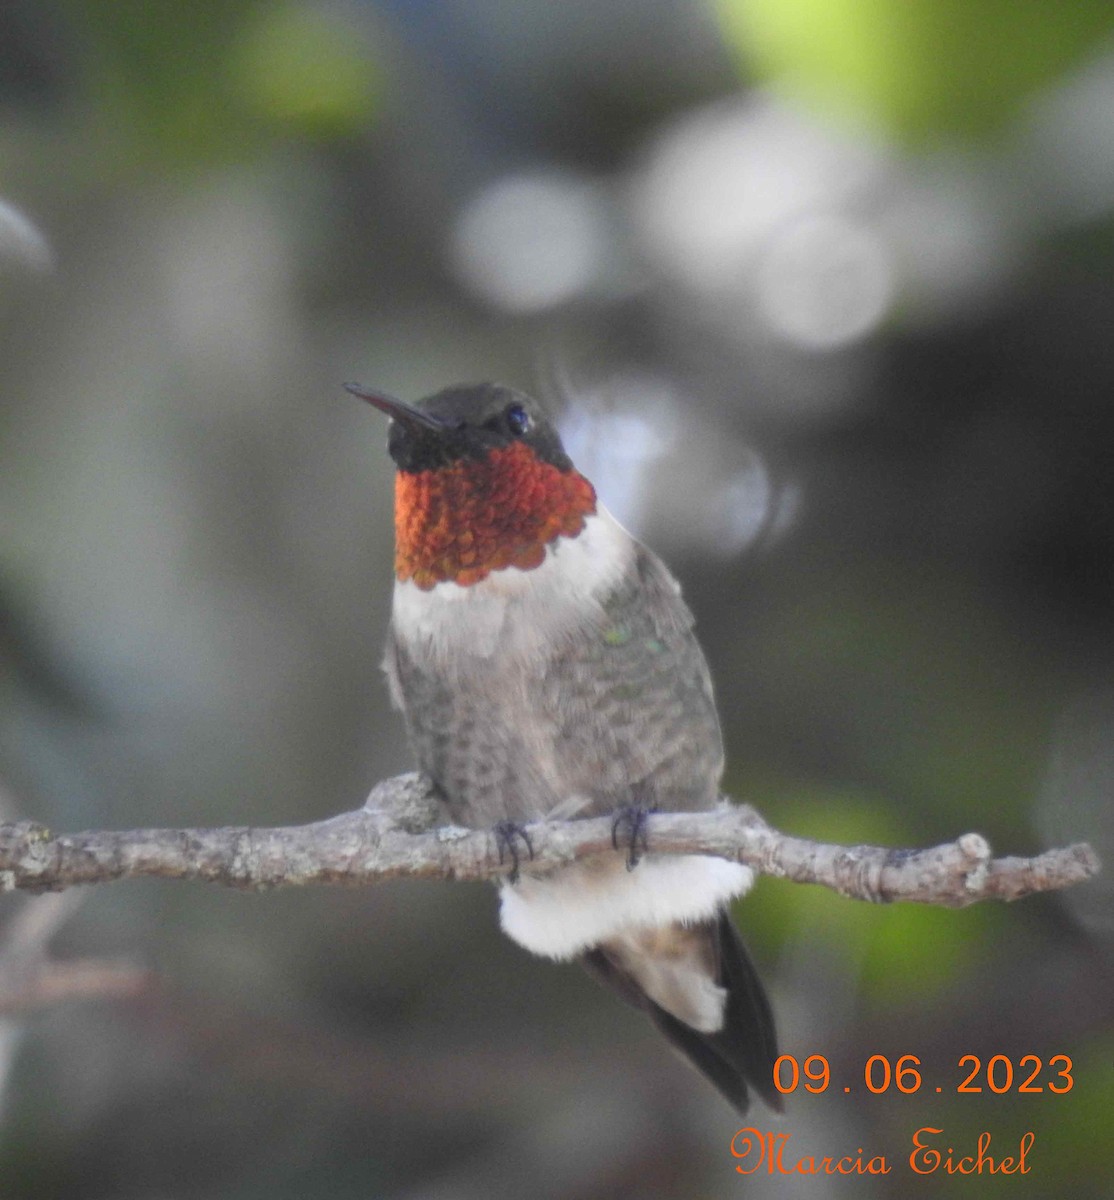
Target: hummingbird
546 668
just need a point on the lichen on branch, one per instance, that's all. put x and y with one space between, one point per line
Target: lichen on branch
395 834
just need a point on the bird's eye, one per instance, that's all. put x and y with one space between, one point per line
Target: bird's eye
518 419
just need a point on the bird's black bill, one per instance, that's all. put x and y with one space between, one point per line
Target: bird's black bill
397 410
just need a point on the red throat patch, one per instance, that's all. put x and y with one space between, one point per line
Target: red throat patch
463 521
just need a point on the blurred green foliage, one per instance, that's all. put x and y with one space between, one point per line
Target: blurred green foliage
898 952
209 80
922 71
296 66
949 692
1074 1133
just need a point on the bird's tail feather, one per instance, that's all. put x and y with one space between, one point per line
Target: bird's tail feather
743 1051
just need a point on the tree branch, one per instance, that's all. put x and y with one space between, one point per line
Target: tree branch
393 835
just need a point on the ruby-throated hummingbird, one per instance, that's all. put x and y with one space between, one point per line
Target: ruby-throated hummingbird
546 667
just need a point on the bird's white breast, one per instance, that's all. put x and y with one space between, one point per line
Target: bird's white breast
516 610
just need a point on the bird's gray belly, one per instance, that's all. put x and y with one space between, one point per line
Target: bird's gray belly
618 714
490 757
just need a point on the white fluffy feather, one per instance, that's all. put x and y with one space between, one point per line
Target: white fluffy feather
560 915
455 623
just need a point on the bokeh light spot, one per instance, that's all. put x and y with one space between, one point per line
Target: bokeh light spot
531 241
824 281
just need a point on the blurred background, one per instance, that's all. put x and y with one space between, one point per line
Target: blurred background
824 290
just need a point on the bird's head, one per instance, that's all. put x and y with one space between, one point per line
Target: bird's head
483 483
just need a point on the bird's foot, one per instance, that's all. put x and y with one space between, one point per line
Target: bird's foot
630 827
507 836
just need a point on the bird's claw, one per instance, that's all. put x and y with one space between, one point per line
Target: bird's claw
632 820
507 833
